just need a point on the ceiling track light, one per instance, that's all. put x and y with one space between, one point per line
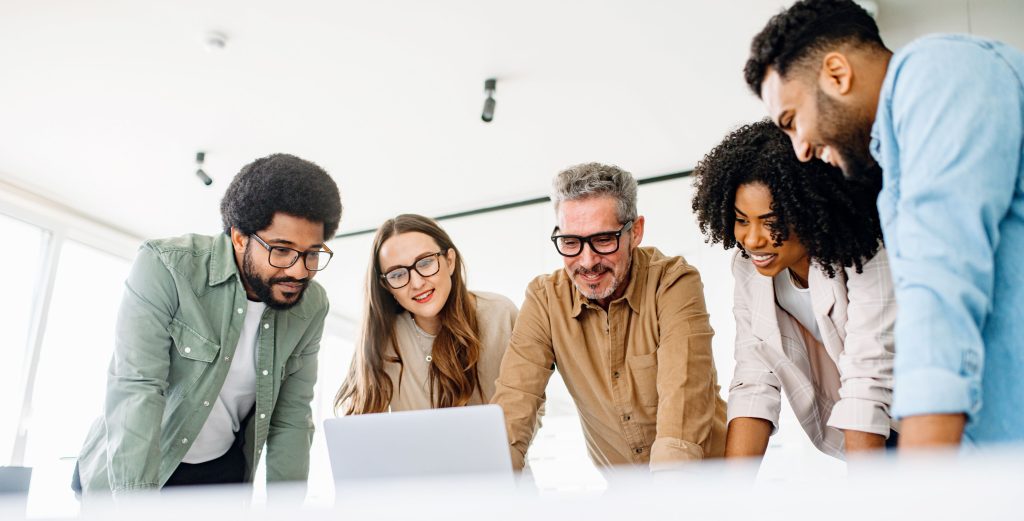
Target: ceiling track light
200 158
489 87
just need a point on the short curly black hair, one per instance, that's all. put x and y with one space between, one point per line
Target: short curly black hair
835 218
280 183
805 30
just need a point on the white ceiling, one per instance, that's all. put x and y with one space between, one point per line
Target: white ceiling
104 103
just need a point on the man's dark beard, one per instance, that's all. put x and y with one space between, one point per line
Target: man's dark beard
264 289
850 135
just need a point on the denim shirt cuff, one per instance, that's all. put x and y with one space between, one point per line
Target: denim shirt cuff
934 390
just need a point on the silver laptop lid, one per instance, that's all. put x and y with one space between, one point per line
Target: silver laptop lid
15 480
410 444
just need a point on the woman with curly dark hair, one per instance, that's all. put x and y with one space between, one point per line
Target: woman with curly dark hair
814 302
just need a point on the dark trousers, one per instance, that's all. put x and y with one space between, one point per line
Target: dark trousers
229 468
892 441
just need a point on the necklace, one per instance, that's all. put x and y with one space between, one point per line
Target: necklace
424 340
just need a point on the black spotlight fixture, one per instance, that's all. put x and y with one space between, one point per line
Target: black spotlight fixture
207 180
488 114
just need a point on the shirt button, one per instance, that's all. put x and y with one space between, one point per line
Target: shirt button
240 311
266 326
615 374
262 416
638 451
188 349
206 403
626 417
184 441
265 372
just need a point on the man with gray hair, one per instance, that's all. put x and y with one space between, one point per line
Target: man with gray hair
627 329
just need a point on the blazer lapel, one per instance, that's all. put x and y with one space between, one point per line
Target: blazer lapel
781 340
829 311
822 294
764 323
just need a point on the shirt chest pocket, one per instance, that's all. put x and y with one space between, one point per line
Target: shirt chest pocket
192 355
644 371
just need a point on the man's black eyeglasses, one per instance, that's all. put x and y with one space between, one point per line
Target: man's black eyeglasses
399 277
281 257
603 243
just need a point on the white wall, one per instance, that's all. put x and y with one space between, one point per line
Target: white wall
901 21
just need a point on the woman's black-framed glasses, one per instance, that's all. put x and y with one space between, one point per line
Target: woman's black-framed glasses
281 257
426 266
603 243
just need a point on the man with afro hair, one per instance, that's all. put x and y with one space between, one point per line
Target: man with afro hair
215 349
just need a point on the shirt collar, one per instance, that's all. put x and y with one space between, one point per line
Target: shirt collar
578 300
222 261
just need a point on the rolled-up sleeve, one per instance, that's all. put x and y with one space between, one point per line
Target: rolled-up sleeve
958 152
687 391
866 362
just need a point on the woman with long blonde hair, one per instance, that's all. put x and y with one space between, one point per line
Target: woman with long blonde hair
427 341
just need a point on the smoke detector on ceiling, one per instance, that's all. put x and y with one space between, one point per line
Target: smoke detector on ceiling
215 41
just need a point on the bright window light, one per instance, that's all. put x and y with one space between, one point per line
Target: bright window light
20 293
71 381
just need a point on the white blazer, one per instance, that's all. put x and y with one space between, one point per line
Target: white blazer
855 314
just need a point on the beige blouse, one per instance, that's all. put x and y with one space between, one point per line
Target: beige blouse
495 317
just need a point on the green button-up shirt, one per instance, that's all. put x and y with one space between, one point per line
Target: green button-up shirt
179 322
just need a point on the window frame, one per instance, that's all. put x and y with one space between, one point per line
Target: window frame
59 224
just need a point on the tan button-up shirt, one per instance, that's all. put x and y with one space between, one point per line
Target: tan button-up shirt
641 373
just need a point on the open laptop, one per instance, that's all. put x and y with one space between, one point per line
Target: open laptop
14 483
415 444
15 480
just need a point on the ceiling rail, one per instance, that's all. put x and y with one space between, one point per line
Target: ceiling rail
517 204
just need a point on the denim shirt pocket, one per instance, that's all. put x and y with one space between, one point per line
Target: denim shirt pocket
192 355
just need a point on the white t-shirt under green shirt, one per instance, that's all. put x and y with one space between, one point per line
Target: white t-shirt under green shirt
236 398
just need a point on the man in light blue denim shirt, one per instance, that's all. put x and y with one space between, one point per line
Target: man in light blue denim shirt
944 120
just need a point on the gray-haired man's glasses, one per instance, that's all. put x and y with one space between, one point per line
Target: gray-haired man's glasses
603 243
